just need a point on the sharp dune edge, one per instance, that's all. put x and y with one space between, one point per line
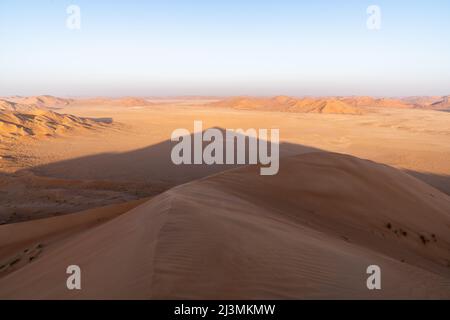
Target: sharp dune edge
308 232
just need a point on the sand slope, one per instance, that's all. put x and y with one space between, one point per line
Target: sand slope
441 104
309 232
22 243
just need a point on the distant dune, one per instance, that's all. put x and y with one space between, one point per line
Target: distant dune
7 105
441 104
119 102
51 102
309 232
18 120
288 104
45 101
378 102
420 102
332 105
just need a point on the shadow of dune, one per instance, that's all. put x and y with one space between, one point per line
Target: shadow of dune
93 181
153 165
149 165
108 178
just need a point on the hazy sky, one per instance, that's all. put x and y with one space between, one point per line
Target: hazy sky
224 47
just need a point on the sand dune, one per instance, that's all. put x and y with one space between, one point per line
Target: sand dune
6 105
333 105
430 102
309 232
110 102
421 102
288 104
21 243
131 159
378 102
441 104
17 120
45 101
51 102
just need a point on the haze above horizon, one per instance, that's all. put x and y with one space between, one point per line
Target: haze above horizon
207 48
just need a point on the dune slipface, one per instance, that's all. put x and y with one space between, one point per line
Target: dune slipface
309 232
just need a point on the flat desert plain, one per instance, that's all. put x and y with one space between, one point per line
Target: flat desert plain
357 186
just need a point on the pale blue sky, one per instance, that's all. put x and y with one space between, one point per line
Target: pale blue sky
224 47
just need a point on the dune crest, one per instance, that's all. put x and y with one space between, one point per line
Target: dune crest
309 232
